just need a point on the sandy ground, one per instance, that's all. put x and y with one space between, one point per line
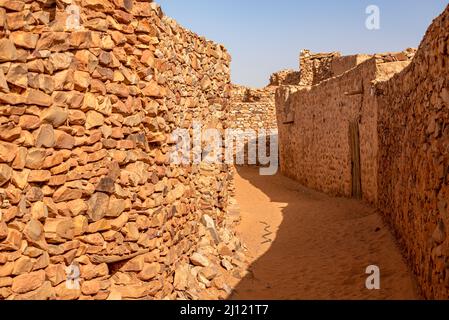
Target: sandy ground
306 245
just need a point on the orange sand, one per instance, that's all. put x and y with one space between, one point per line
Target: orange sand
321 245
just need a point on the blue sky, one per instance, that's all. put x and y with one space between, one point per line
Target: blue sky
264 36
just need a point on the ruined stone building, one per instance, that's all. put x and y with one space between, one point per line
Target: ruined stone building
375 127
334 96
252 108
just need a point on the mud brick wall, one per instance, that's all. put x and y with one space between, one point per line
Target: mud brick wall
85 178
414 159
314 129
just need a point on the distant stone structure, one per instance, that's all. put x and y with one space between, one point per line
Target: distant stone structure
252 108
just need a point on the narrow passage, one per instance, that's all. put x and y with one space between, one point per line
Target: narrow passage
306 245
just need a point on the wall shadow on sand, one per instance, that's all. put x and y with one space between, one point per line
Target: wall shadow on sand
321 249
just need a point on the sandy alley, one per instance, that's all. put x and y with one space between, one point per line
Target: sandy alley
306 245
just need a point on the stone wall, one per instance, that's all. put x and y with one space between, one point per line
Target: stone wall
314 128
414 159
285 78
314 125
86 117
399 102
252 108
250 111
315 68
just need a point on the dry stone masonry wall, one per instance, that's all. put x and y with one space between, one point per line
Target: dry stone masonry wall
253 110
414 160
285 78
86 117
90 94
315 68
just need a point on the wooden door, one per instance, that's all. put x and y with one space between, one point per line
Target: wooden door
354 143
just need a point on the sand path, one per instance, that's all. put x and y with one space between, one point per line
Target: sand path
306 245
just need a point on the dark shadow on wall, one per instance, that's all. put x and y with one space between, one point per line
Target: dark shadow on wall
321 248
